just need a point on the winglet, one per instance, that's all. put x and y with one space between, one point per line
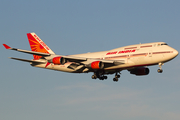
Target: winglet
6 46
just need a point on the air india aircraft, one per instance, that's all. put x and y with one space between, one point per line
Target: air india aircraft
134 58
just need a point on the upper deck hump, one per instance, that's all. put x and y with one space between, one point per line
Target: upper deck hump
137 46
129 47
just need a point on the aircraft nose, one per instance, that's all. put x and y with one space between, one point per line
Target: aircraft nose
175 53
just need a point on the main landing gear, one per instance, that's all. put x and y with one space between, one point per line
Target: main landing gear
160 68
102 77
115 79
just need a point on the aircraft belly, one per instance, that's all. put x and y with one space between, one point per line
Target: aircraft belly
134 61
122 66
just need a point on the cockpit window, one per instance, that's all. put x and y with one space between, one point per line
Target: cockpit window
164 44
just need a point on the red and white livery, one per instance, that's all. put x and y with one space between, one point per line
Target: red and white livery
134 58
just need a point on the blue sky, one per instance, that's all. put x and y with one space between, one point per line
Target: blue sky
72 27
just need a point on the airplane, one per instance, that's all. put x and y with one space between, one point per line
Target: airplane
134 58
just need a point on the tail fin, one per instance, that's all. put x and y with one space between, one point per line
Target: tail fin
38 45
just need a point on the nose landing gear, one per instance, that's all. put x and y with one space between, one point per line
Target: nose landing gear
160 70
160 66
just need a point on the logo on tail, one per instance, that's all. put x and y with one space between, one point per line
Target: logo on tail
38 45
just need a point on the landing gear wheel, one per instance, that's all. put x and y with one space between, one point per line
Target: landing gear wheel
117 76
160 70
94 77
105 77
115 79
101 78
160 66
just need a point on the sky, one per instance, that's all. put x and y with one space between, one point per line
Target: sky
81 26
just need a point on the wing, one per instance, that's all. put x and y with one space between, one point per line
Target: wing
31 61
87 62
81 62
27 51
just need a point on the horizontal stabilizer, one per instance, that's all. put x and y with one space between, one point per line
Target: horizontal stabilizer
25 60
27 51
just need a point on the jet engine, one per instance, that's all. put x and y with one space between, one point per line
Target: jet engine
58 60
140 71
97 65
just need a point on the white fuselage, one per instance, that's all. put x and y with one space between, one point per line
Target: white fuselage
134 58
133 55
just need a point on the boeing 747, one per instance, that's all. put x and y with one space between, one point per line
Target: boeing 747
134 58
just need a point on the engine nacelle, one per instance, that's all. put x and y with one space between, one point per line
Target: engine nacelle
58 60
140 71
97 65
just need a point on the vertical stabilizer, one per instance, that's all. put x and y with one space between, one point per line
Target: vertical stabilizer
38 45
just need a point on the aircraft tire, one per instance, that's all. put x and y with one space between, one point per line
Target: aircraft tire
105 77
117 76
159 70
115 79
94 77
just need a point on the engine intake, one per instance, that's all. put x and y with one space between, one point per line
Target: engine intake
97 65
140 71
58 60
